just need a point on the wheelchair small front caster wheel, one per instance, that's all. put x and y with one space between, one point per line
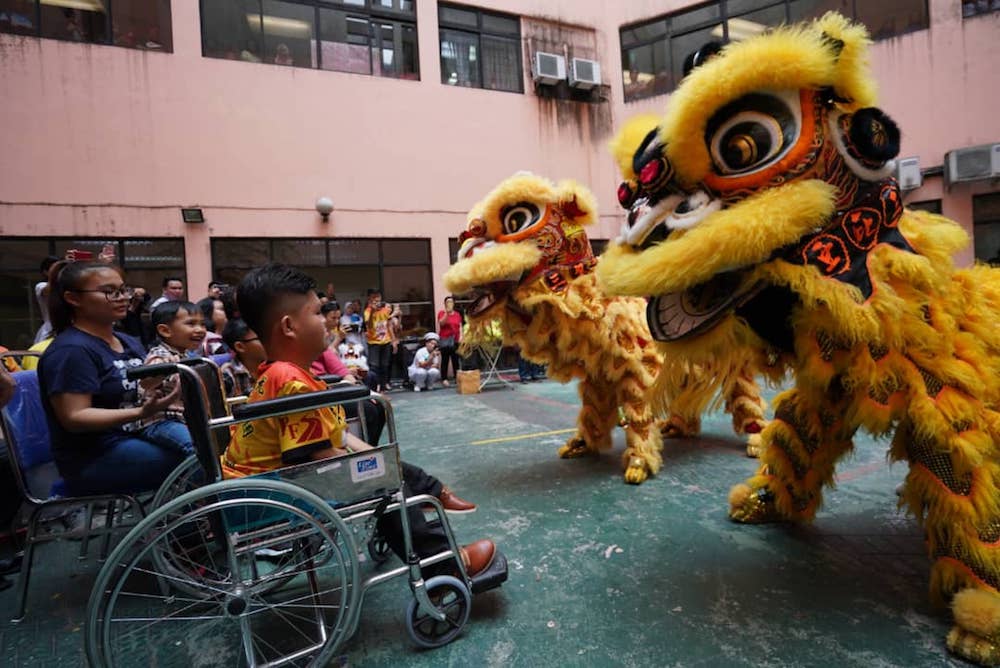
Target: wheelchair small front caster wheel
450 596
378 549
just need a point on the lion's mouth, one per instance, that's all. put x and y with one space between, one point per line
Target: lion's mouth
486 297
650 222
677 315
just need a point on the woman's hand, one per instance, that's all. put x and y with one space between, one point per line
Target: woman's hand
159 400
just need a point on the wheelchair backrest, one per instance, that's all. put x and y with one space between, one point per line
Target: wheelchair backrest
26 430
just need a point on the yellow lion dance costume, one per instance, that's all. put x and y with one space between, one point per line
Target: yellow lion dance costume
784 210
694 378
527 257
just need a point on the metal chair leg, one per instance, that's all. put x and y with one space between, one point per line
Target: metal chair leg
85 541
25 574
109 523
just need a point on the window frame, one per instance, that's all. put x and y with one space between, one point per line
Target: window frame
373 14
479 32
58 245
978 12
723 19
109 25
379 263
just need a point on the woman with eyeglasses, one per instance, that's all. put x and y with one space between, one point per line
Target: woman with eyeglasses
92 408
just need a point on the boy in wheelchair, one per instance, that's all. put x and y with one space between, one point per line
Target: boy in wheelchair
280 305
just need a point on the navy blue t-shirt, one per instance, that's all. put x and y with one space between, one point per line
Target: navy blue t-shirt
80 363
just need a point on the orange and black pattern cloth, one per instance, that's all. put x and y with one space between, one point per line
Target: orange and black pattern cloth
270 443
841 249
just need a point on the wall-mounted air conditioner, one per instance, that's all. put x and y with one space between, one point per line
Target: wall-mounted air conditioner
548 68
975 163
584 73
908 173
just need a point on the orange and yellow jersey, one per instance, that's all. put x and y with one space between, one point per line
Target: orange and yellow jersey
377 325
270 443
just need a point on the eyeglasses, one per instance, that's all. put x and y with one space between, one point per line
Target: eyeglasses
249 340
112 294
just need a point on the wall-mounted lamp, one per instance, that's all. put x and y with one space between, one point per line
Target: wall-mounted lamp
192 216
324 206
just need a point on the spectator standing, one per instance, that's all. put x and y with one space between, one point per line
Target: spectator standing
426 367
42 297
215 289
136 321
173 290
450 331
379 336
91 406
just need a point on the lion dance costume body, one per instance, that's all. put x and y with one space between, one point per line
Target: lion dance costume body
527 257
784 211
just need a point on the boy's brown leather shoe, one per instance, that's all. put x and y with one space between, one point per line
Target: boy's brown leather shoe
453 504
477 556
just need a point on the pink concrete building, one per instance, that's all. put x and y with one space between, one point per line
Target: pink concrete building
118 114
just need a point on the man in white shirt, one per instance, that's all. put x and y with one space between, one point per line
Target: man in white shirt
173 290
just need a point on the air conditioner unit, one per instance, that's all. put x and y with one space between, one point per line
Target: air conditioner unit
584 73
975 163
548 68
908 173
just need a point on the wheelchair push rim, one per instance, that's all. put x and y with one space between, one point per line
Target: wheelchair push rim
140 615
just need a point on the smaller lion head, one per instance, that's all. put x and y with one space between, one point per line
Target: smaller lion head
522 228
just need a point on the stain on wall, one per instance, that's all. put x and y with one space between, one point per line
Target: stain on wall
585 113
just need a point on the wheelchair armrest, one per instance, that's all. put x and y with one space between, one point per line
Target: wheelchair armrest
299 402
151 371
330 378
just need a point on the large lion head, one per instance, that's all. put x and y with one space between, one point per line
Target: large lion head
526 230
770 152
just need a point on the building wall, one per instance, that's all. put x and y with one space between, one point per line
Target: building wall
106 141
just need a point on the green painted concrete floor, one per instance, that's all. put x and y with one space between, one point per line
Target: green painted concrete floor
607 574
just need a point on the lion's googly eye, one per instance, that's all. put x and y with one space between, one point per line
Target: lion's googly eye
751 133
519 216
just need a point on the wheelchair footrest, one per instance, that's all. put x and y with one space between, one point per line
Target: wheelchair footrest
492 576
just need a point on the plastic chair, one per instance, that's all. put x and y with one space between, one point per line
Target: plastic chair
26 433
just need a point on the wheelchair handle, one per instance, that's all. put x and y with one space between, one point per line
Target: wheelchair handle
299 402
151 371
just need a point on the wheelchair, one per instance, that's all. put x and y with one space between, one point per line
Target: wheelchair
265 570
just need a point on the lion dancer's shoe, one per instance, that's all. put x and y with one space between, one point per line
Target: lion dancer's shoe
642 457
798 454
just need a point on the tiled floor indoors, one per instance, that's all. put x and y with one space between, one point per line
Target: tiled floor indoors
607 574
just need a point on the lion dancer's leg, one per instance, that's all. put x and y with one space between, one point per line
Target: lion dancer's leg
800 447
744 403
598 416
953 487
687 396
643 442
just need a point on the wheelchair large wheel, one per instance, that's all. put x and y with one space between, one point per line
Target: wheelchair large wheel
187 476
217 600
451 597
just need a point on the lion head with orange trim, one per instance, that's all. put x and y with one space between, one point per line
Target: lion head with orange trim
526 230
771 151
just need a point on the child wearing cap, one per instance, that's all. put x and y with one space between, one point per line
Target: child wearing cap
426 367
